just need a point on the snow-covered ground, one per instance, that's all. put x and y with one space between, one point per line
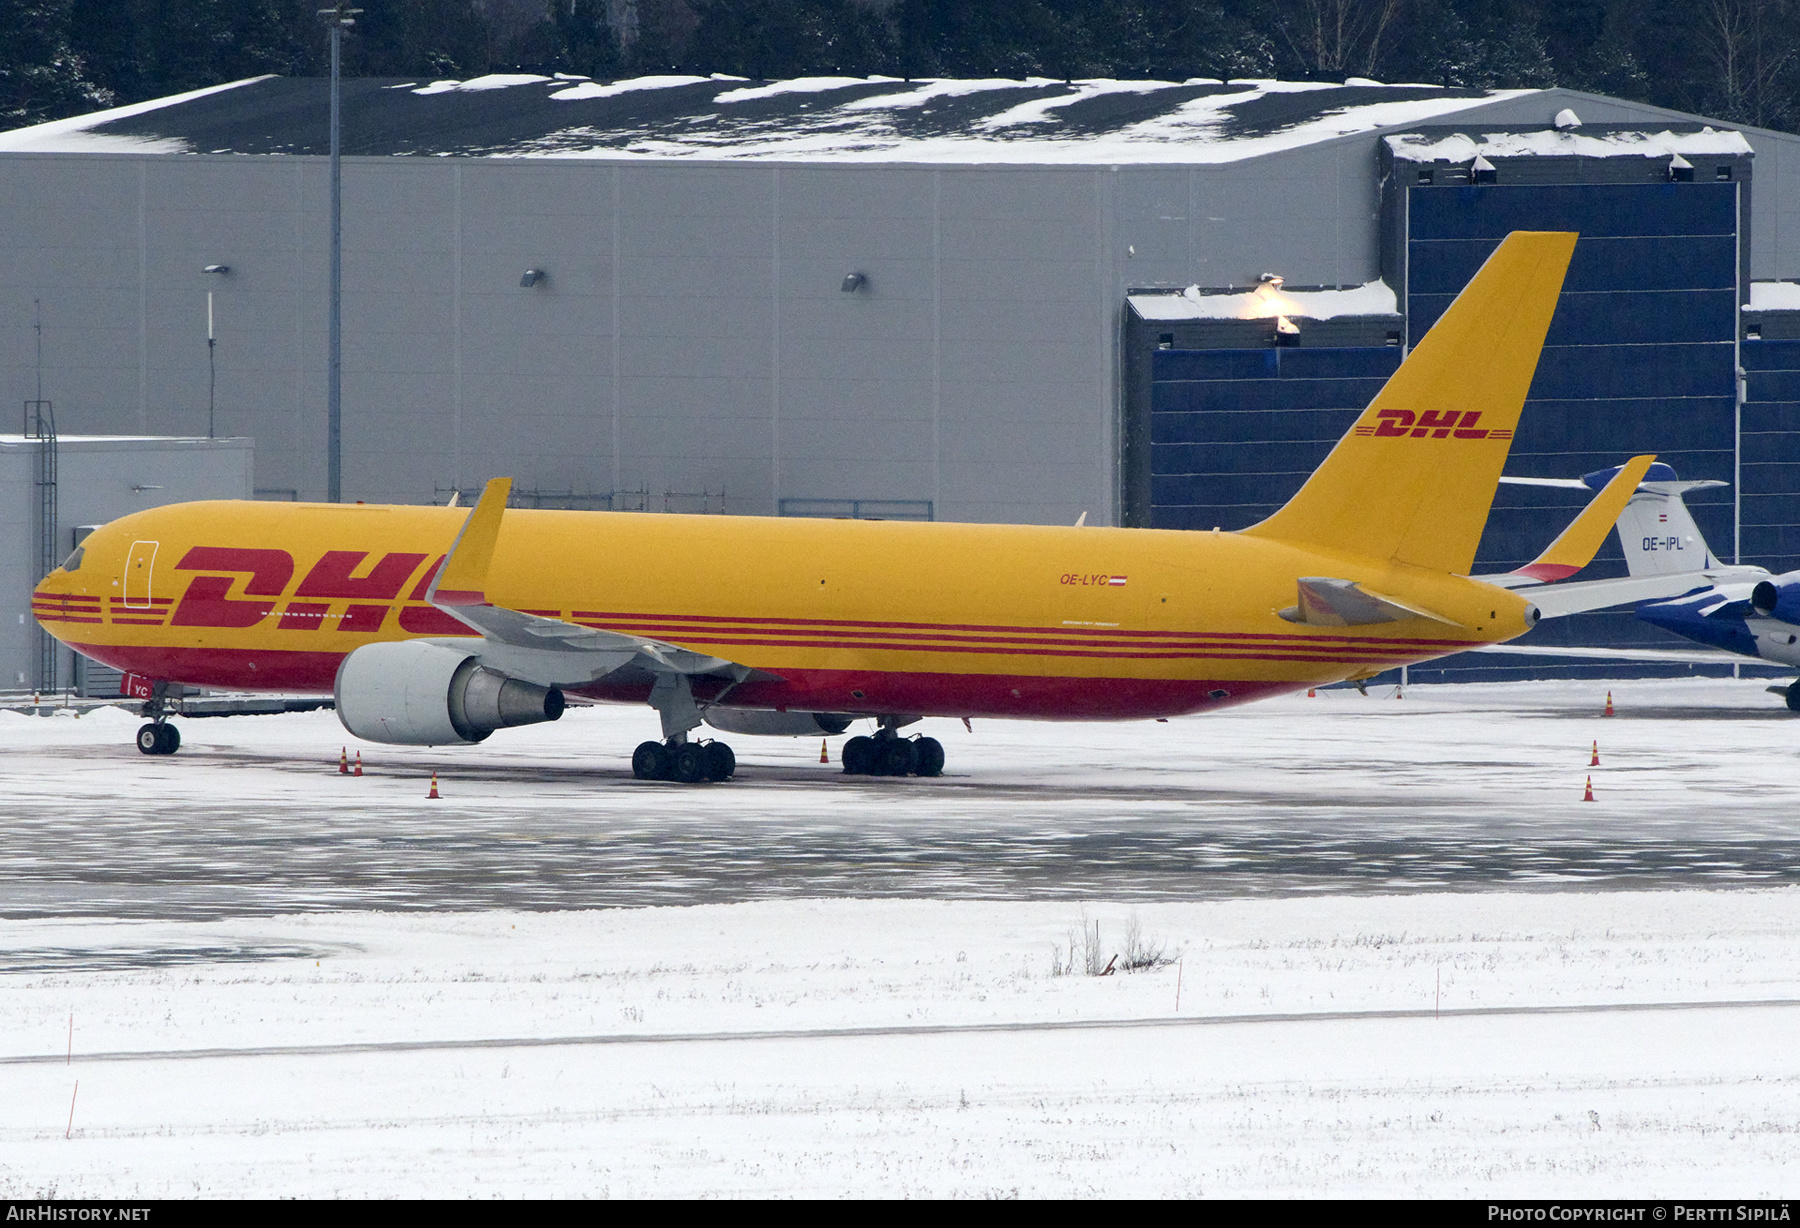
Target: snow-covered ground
1525 1035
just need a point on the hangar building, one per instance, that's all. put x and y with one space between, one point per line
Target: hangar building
961 300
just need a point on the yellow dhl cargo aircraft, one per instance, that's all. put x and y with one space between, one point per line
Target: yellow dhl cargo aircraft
436 625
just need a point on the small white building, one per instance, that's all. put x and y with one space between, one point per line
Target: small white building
91 479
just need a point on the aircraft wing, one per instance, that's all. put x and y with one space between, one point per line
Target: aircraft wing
1560 600
545 650
1687 656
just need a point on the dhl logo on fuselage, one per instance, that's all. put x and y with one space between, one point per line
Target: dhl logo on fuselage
331 596
1432 423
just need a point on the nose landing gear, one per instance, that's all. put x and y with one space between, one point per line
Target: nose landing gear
159 738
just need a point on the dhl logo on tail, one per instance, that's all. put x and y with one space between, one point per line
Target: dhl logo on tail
1435 424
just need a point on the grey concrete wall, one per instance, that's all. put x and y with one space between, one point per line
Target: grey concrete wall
691 334
97 480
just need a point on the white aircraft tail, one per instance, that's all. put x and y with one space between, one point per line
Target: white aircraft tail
1656 530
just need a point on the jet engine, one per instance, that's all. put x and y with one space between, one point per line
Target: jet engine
777 724
427 695
1778 598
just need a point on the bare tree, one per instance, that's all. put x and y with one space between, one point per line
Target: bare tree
1746 43
1337 37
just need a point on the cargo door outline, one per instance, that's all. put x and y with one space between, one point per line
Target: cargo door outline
139 565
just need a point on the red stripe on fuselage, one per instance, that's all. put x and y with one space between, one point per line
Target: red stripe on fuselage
926 693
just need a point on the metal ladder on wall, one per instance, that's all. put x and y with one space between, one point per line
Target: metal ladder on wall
40 424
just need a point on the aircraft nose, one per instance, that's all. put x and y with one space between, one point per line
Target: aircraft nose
59 598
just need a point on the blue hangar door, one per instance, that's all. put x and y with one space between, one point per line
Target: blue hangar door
1642 356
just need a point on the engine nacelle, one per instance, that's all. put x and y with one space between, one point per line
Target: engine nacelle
1778 598
763 723
424 694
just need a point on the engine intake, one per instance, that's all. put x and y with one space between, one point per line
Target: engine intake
420 694
1778 598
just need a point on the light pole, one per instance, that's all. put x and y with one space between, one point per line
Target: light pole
338 19
212 366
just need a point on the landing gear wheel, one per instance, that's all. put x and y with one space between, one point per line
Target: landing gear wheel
721 764
1793 697
651 761
859 756
690 763
928 757
158 739
895 757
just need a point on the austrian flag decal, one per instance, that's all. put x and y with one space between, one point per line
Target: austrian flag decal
1117 581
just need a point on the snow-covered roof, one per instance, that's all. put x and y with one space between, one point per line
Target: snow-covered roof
1773 296
811 119
1571 143
1267 301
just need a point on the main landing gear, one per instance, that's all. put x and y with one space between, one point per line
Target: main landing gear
676 758
889 754
688 762
158 737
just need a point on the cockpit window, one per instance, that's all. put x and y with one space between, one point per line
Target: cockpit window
73 562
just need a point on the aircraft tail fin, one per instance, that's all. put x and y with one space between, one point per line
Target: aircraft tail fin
1415 477
1657 531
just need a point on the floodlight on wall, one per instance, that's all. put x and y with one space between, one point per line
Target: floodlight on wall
1482 171
220 269
533 277
854 282
1566 119
1680 169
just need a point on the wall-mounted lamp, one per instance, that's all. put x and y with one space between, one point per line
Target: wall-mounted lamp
533 277
854 282
220 269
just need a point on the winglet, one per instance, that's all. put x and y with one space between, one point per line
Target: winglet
462 580
1574 548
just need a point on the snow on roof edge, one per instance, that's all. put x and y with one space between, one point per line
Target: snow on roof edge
21 140
1266 302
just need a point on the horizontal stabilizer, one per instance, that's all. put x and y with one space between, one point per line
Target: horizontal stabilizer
1329 602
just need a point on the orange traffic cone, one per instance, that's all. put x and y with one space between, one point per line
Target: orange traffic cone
1312 692
358 771
1609 710
344 761
433 795
1595 761
823 757
1590 790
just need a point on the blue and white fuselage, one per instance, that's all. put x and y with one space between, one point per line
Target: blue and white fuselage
1743 611
1724 616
